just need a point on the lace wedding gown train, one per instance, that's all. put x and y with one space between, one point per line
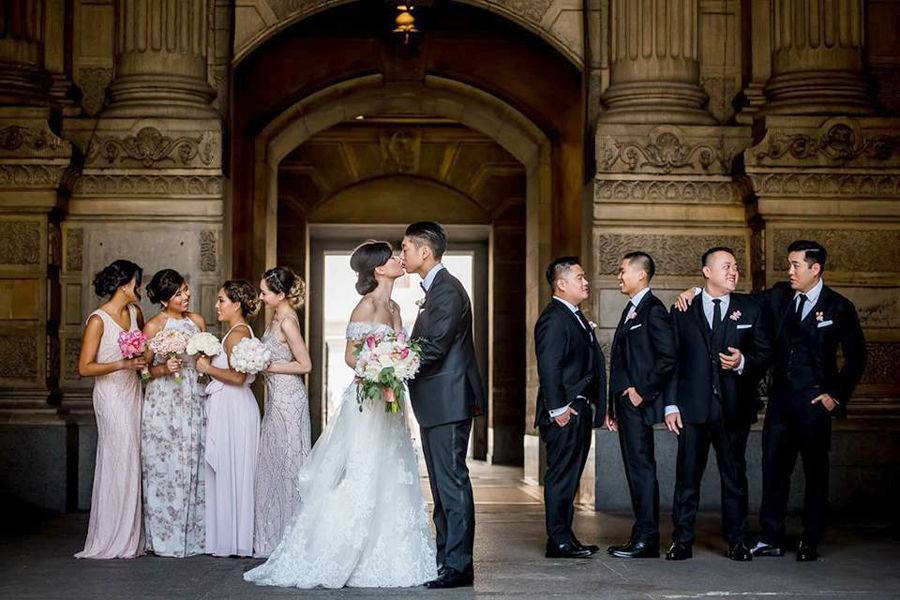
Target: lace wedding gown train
362 520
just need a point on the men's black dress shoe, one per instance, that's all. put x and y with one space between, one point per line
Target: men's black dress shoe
451 578
567 551
806 552
635 550
589 547
740 552
679 551
765 549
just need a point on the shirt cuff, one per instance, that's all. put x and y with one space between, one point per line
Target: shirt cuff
556 412
671 409
740 368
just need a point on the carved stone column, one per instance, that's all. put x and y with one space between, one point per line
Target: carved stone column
655 71
161 50
22 77
817 60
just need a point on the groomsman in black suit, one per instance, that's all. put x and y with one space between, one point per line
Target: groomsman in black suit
809 322
722 350
570 401
642 359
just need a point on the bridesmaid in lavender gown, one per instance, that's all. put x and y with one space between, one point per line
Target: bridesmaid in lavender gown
172 430
114 530
285 437
232 430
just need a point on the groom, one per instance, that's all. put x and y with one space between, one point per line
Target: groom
446 394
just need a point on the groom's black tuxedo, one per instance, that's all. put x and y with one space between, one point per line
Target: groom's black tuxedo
572 371
445 394
717 407
805 365
642 356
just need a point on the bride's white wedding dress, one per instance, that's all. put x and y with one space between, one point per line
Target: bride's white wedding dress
362 520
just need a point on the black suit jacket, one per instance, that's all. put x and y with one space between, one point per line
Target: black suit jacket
570 364
448 386
643 356
843 331
698 368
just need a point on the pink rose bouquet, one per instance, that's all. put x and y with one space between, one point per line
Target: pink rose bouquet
171 344
133 344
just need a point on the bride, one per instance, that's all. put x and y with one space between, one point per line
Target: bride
362 519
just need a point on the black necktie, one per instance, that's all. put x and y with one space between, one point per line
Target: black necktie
625 313
422 285
584 321
800 305
717 313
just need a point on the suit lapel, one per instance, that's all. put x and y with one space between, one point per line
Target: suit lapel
700 319
728 323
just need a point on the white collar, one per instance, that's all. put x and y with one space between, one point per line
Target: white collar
429 279
812 296
707 298
636 299
567 304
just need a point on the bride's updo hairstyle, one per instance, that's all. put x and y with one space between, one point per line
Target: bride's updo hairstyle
115 275
367 257
240 290
283 280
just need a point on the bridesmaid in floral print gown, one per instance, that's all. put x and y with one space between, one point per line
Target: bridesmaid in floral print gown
285 434
114 530
173 429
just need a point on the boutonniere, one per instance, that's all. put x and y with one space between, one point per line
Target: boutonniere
735 315
820 316
593 325
420 303
632 315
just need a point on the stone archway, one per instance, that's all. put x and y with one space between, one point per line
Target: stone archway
558 22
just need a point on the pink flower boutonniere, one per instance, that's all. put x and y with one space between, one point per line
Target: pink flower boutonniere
420 303
735 315
820 316
632 315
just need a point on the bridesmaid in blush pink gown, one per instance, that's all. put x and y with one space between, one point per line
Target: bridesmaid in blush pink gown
232 430
115 528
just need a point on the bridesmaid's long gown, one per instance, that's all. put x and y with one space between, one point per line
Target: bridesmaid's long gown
232 441
115 525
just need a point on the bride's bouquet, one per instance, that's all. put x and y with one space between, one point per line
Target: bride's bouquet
384 363
250 356
170 343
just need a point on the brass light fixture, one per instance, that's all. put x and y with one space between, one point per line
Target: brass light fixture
405 22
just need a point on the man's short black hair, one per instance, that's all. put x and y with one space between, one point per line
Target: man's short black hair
813 252
430 233
644 260
713 250
560 266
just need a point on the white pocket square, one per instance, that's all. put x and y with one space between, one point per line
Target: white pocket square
745 326
825 324
635 327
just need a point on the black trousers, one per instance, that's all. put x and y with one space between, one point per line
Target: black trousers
567 452
639 458
794 426
454 508
730 444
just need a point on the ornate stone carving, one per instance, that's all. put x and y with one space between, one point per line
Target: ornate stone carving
673 254
208 261
18 356
532 10
881 368
149 184
400 151
826 184
665 151
842 140
151 148
93 82
74 249
722 192
13 175
71 351
25 140
54 244
849 250
20 242
721 91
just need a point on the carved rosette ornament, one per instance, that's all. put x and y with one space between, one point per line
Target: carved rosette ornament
150 147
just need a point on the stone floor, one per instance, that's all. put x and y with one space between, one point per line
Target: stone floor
858 562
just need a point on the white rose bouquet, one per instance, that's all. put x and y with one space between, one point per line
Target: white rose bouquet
250 356
384 364
203 344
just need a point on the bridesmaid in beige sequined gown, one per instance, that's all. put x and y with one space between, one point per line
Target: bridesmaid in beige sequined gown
285 435
114 530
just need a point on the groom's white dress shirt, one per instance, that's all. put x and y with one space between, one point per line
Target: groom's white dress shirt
429 279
